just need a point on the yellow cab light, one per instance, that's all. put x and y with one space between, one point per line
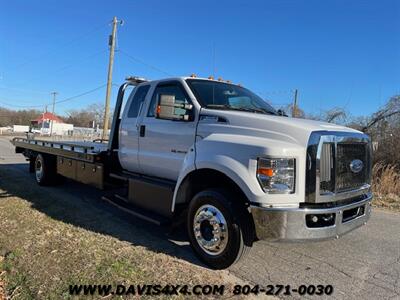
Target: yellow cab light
211 77
193 75
220 79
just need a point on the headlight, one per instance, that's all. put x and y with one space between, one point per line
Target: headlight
276 175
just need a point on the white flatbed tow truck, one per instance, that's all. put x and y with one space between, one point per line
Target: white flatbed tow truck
216 157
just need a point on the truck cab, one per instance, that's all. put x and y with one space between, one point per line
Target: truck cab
285 178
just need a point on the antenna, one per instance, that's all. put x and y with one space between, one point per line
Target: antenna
213 54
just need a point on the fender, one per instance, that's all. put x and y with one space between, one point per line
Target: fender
187 167
231 172
236 157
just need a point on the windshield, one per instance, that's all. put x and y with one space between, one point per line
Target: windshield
220 95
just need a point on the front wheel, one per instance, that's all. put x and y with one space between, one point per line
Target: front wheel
218 229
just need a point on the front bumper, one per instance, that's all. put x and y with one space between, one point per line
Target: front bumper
289 224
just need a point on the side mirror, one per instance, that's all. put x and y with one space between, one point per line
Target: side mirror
282 113
170 109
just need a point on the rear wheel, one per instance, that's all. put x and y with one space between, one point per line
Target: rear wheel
45 170
219 231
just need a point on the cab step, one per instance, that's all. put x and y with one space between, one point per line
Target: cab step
122 203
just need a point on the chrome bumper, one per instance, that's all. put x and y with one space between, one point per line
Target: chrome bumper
288 224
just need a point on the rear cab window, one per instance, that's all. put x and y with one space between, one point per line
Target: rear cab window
137 102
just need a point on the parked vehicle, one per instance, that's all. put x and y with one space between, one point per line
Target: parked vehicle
215 155
20 128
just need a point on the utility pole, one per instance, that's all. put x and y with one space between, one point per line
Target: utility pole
45 111
52 111
111 44
294 110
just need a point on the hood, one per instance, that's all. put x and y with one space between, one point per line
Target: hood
285 129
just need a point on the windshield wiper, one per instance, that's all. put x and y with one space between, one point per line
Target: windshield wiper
219 106
248 109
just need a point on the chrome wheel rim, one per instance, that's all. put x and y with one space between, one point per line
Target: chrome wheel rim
38 170
210 229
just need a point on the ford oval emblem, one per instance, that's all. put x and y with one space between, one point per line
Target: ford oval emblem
356 165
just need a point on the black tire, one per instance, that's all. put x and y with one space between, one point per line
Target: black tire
239 227
45 170
32 160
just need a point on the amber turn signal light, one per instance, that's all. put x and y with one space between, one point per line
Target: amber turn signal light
266 171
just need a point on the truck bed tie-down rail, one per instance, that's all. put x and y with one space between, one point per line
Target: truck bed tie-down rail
86 152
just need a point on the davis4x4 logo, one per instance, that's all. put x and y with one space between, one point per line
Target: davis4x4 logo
149 289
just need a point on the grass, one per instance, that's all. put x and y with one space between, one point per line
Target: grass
2 283
49 240
386 186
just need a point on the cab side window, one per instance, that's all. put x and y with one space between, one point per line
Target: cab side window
167 89
138 98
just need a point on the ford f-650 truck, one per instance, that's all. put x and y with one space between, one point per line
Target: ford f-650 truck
216 156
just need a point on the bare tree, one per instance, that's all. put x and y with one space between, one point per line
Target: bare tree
299 113
335 115
97 110
80 118
85 117
387 112
10 117
383 127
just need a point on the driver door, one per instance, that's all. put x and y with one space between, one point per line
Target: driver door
163 144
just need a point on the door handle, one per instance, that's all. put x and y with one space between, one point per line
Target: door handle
142 130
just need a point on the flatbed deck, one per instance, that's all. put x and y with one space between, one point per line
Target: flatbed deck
80 150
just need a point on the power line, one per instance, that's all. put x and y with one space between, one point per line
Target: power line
23 90
82 94
56 102
144 63
81 60
114 85
66 66
21 106
44 55
277 92
280 104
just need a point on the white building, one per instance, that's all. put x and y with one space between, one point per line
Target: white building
48 123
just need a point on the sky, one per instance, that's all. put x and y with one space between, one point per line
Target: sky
336 53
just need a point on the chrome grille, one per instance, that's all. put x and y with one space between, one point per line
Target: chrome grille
334 170
327 168
346 179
